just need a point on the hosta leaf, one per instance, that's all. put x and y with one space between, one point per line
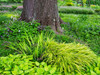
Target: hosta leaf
37 63
40 70
6 72
46 68
53 70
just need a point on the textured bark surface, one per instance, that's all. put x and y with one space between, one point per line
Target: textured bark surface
44 11
27 14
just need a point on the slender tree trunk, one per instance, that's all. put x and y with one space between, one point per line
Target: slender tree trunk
77 2
82 3
44 11
88 3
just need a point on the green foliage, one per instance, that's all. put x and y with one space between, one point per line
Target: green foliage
96 2
69 4
63 38
24 65
4 8
97 69
68 0
14 7
3 19
18 29
97 11
84 28
95 7
13 1
76 10
68 57
30 45
84 1
13 31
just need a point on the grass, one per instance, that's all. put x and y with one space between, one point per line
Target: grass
68 57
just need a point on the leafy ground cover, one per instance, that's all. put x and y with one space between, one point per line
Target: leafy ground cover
85 28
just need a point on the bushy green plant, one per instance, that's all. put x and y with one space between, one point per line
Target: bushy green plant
18 29
95 2
63 38
69 4
14 7
76 10
97 10
70 58
84 28
24 65
68 0
3 19
16 1
4 8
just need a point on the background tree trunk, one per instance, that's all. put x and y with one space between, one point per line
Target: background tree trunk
88 3
44 11
77 2
82 3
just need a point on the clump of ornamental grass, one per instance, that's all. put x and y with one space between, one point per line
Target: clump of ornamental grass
29 45
70 58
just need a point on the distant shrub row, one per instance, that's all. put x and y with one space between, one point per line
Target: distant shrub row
97 11
76 10
15 1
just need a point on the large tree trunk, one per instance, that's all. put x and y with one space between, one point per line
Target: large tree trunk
44 11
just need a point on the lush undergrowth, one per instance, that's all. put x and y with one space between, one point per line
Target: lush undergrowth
46 53
85 28
25 65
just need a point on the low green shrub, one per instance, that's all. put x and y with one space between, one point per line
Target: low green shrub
25 65
63 38
84 28
5 9
97 11
14 7
69 4
70 58
3 19
76 10
13 1
17 29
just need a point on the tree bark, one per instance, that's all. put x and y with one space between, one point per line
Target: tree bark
77 2
82 3
88 3
44 11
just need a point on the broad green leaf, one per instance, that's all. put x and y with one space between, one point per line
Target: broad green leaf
53 70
